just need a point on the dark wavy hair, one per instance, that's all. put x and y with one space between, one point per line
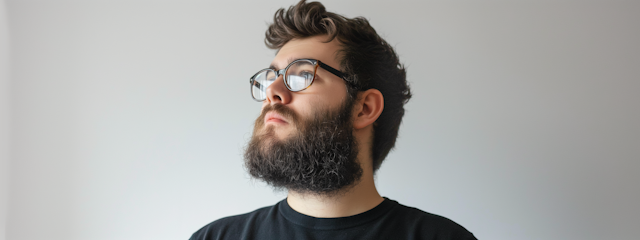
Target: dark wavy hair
367 59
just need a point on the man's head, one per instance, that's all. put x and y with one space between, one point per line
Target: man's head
303 141
306 135
367 59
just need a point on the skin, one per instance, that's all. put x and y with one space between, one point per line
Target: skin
327 92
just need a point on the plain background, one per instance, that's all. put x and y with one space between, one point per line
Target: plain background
127 119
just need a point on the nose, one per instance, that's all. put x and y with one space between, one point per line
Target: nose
277 92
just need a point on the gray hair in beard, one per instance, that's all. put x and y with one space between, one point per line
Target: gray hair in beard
320 159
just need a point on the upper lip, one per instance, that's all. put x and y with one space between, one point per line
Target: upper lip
273 116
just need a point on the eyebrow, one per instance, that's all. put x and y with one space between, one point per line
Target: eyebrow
289 60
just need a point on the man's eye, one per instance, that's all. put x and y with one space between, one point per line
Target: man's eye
306 74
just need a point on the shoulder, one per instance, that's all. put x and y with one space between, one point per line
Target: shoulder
232 227
422 223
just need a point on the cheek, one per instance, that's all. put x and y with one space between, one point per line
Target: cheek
305 110
319 98
336 90
317 107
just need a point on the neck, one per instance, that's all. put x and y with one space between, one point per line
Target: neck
358 199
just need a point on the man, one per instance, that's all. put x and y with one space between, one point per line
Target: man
332 103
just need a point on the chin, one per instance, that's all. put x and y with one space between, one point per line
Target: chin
271 133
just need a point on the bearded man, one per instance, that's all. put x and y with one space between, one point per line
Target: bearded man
332 104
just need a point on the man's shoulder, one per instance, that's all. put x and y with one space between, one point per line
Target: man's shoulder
423 223
231 226
416 213
389 220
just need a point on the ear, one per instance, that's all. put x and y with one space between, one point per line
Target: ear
368 108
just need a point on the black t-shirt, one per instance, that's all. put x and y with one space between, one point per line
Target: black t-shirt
388 220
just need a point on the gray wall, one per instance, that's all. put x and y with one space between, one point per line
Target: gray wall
129 118
4 117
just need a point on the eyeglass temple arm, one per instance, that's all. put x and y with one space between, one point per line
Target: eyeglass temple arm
332 70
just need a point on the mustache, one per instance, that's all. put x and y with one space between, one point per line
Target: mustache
280 109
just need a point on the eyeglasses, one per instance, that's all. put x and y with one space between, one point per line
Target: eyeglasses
298 76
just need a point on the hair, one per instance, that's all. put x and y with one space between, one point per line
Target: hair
367 60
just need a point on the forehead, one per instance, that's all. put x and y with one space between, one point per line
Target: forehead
312 47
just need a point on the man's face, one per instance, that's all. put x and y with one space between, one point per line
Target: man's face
326 93
304 141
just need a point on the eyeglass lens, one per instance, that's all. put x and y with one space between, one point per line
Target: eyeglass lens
261 81
298 76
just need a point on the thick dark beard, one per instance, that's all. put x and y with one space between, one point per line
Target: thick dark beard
320 159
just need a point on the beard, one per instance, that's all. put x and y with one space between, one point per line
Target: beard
320 158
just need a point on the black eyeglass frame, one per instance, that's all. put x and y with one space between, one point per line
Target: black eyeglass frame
282 72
